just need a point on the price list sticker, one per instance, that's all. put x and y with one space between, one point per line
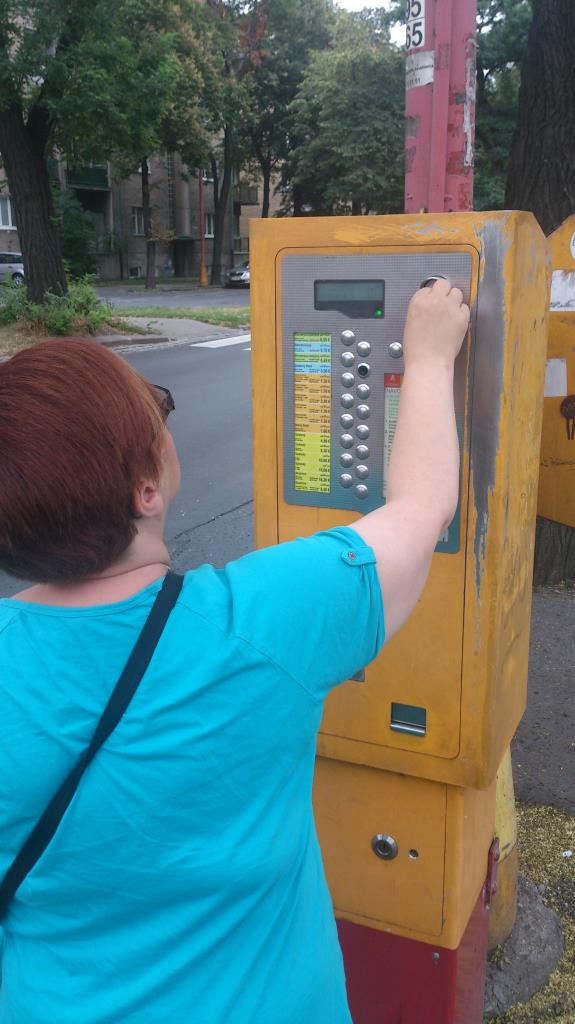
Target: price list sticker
312 412
392 384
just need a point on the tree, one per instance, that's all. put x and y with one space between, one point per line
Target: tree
236 27
502 29
291 32
90 80
76 233
542 179
349 141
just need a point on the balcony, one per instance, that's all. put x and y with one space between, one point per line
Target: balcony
246 195
92 176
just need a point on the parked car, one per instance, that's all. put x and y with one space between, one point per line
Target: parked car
239 277
11 268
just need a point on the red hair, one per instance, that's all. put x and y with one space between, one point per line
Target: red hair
79 429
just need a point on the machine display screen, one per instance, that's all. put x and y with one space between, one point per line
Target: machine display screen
362 299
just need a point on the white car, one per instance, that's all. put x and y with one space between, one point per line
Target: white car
11 268
238 277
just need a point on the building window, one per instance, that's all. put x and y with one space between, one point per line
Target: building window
210 225
137 220
6 214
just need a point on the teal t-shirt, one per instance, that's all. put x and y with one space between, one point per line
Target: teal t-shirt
185 883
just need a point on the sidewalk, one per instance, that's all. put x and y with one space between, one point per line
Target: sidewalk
166 329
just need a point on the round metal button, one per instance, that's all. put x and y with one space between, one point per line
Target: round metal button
364 370
362 472
346 420
346 460
363 348
347 358
346 441
363 390
348 380
396 350
362 451
347 337
363 412
362 431
361 491
347 401
384 846
346 480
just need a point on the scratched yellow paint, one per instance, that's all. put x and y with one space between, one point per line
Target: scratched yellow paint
557 474
463 654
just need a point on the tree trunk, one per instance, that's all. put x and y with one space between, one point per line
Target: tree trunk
542 165
23 148
542 179
221 206
356 208
554 554
148 227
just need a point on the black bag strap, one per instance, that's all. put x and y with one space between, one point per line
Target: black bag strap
122 694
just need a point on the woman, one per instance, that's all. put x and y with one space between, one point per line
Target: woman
185 881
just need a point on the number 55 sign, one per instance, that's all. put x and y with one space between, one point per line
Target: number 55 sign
415 36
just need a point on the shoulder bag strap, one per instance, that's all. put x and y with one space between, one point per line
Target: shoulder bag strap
122 694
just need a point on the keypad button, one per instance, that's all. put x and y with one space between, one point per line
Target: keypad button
362 431
364 370
363 412
361 491
347 358
362 472
363 348
348 380
346 441
347 337
363 391
346 460
362 451
346 421
347 401
346 480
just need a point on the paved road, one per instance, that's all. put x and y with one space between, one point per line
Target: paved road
172 297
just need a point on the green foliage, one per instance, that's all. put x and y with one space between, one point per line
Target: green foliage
503 26
80 311
76 233
13 302
348 116
284 37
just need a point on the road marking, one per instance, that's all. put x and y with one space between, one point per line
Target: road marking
240 339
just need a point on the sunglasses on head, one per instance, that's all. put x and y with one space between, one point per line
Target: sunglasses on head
165 400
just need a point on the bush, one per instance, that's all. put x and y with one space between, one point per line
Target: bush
78 312
76 232
13 303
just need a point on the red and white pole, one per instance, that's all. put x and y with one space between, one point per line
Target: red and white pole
440 105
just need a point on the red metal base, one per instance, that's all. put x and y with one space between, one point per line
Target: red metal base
392 980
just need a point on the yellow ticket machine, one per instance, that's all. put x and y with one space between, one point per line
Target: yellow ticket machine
557 475
408 751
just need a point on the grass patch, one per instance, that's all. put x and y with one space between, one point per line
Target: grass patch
222 316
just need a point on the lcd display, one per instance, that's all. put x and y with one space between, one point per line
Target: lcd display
359 298
349 291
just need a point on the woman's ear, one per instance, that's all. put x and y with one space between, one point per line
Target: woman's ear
147 500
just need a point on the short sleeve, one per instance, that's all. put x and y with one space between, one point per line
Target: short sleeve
313 606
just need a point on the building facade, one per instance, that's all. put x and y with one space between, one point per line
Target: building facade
115 206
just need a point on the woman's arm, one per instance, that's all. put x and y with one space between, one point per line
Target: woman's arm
423 473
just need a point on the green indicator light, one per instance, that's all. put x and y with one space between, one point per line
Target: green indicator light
378 312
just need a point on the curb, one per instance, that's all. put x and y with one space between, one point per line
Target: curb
130 339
